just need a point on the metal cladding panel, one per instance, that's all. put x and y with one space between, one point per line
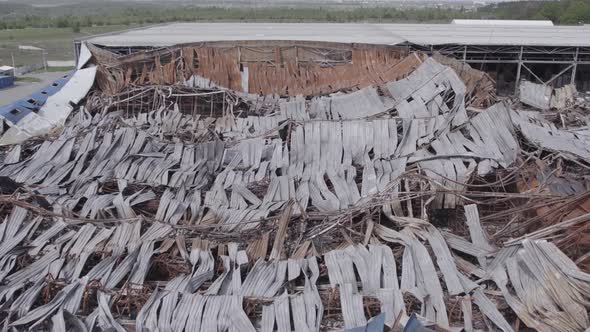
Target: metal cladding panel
536 95
6 81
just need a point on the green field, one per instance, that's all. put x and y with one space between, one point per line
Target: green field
57 42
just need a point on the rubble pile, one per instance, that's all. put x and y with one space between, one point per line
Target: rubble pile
170 207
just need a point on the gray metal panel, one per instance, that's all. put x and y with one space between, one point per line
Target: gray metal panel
440 34
388 34
178 33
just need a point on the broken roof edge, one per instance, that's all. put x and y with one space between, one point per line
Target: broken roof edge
118 32
370 33
259 42
254 42
386 38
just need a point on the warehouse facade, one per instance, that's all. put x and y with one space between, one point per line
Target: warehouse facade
544 54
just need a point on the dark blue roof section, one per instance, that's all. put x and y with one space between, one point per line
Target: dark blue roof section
17 110
6 81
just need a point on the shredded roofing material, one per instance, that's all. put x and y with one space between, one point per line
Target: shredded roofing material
197 207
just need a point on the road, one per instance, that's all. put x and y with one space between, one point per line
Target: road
23 89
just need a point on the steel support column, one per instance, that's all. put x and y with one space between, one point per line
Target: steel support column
518 69
575 66
559 74
465 54
533 73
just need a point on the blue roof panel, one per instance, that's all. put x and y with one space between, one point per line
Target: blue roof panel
18 109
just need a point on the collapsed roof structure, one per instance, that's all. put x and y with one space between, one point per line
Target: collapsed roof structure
293 186
509 51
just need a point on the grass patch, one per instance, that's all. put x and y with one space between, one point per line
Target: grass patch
28 79
54 69
57 42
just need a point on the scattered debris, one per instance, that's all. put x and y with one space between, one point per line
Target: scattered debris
176 199
545 97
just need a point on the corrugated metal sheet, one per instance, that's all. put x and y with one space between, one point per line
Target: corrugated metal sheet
387 34
81 251
536 95
544 96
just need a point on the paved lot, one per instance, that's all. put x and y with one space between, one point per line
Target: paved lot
23 89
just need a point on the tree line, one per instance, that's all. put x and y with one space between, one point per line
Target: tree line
560 12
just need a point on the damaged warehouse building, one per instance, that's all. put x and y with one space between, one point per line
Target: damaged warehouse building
252 177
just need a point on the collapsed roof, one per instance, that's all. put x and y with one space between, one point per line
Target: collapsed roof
291 187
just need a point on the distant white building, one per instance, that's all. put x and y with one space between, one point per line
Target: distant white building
544 23
29 48
7 71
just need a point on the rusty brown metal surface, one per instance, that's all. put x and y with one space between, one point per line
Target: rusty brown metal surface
573 202
285 70
367 67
